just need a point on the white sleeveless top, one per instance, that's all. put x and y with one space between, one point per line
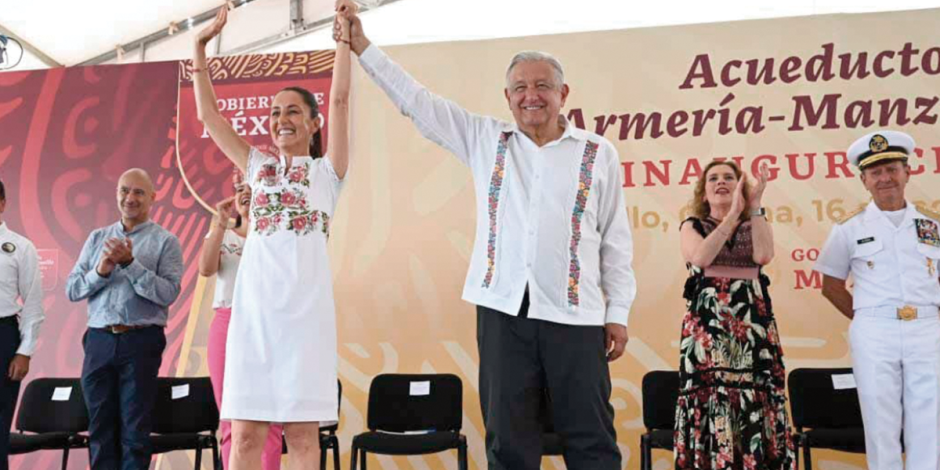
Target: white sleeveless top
230 256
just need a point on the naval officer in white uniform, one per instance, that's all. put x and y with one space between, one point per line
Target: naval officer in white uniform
892 250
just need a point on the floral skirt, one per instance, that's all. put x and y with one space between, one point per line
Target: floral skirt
732 410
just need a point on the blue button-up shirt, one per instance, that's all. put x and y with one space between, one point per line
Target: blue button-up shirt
139 294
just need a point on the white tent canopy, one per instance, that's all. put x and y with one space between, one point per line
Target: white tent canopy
71 33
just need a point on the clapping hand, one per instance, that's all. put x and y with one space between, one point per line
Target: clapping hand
119 250
116 251
737 200
223 211
757 191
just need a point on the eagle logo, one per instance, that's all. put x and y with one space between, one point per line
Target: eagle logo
878 143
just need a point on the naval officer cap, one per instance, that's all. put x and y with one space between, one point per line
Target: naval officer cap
880 146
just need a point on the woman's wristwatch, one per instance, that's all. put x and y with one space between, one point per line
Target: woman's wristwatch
759 212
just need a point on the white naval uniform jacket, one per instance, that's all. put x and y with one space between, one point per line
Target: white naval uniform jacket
21 287
891 266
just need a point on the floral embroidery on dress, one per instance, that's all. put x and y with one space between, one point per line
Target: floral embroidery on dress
231 249
300 175
580 204
267 174
287 207
303 223
496 185
292 199
266 225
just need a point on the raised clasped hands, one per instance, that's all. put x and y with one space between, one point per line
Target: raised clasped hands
345 11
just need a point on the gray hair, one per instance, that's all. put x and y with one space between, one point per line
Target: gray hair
537 56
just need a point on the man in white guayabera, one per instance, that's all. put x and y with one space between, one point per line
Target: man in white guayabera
551 268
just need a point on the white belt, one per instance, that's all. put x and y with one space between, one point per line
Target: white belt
907 312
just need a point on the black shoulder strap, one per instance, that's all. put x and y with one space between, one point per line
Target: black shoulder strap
696 224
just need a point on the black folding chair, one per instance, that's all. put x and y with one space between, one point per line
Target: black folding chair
824 418
413 414
52 413
660 394
185 417
328 438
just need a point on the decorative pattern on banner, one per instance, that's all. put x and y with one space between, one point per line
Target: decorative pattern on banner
580 203
496 185
263 65
68 135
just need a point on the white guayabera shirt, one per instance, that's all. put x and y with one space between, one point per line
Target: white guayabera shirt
551 219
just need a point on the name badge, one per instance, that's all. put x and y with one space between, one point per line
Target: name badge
865 240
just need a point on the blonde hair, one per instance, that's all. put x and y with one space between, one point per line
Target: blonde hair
699 206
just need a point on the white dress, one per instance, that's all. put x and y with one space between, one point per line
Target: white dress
281 362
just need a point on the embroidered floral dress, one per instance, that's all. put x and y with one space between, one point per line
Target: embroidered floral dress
732 411
281 358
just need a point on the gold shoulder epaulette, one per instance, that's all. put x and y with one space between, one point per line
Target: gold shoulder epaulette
929 213
851 214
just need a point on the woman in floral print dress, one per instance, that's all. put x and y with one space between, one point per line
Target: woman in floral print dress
281 358
732 410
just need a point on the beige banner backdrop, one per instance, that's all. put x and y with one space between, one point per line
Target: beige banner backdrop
403 230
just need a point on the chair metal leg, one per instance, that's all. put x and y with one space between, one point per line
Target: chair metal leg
796 449
216 462
807 456
323 450
65 458
462 454
642 452
363 458
198 464
335 445
353 456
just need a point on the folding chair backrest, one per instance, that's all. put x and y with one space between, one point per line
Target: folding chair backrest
415 402
53 405
660 394
824 398
339 408
184 405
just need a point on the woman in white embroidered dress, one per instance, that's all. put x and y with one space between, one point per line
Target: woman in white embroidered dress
280 364
220 257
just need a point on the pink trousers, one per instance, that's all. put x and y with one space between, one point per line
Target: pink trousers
218 332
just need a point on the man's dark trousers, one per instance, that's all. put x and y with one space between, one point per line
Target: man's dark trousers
520 358
119 380
9 389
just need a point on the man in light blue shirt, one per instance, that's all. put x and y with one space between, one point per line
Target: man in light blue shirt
130 273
